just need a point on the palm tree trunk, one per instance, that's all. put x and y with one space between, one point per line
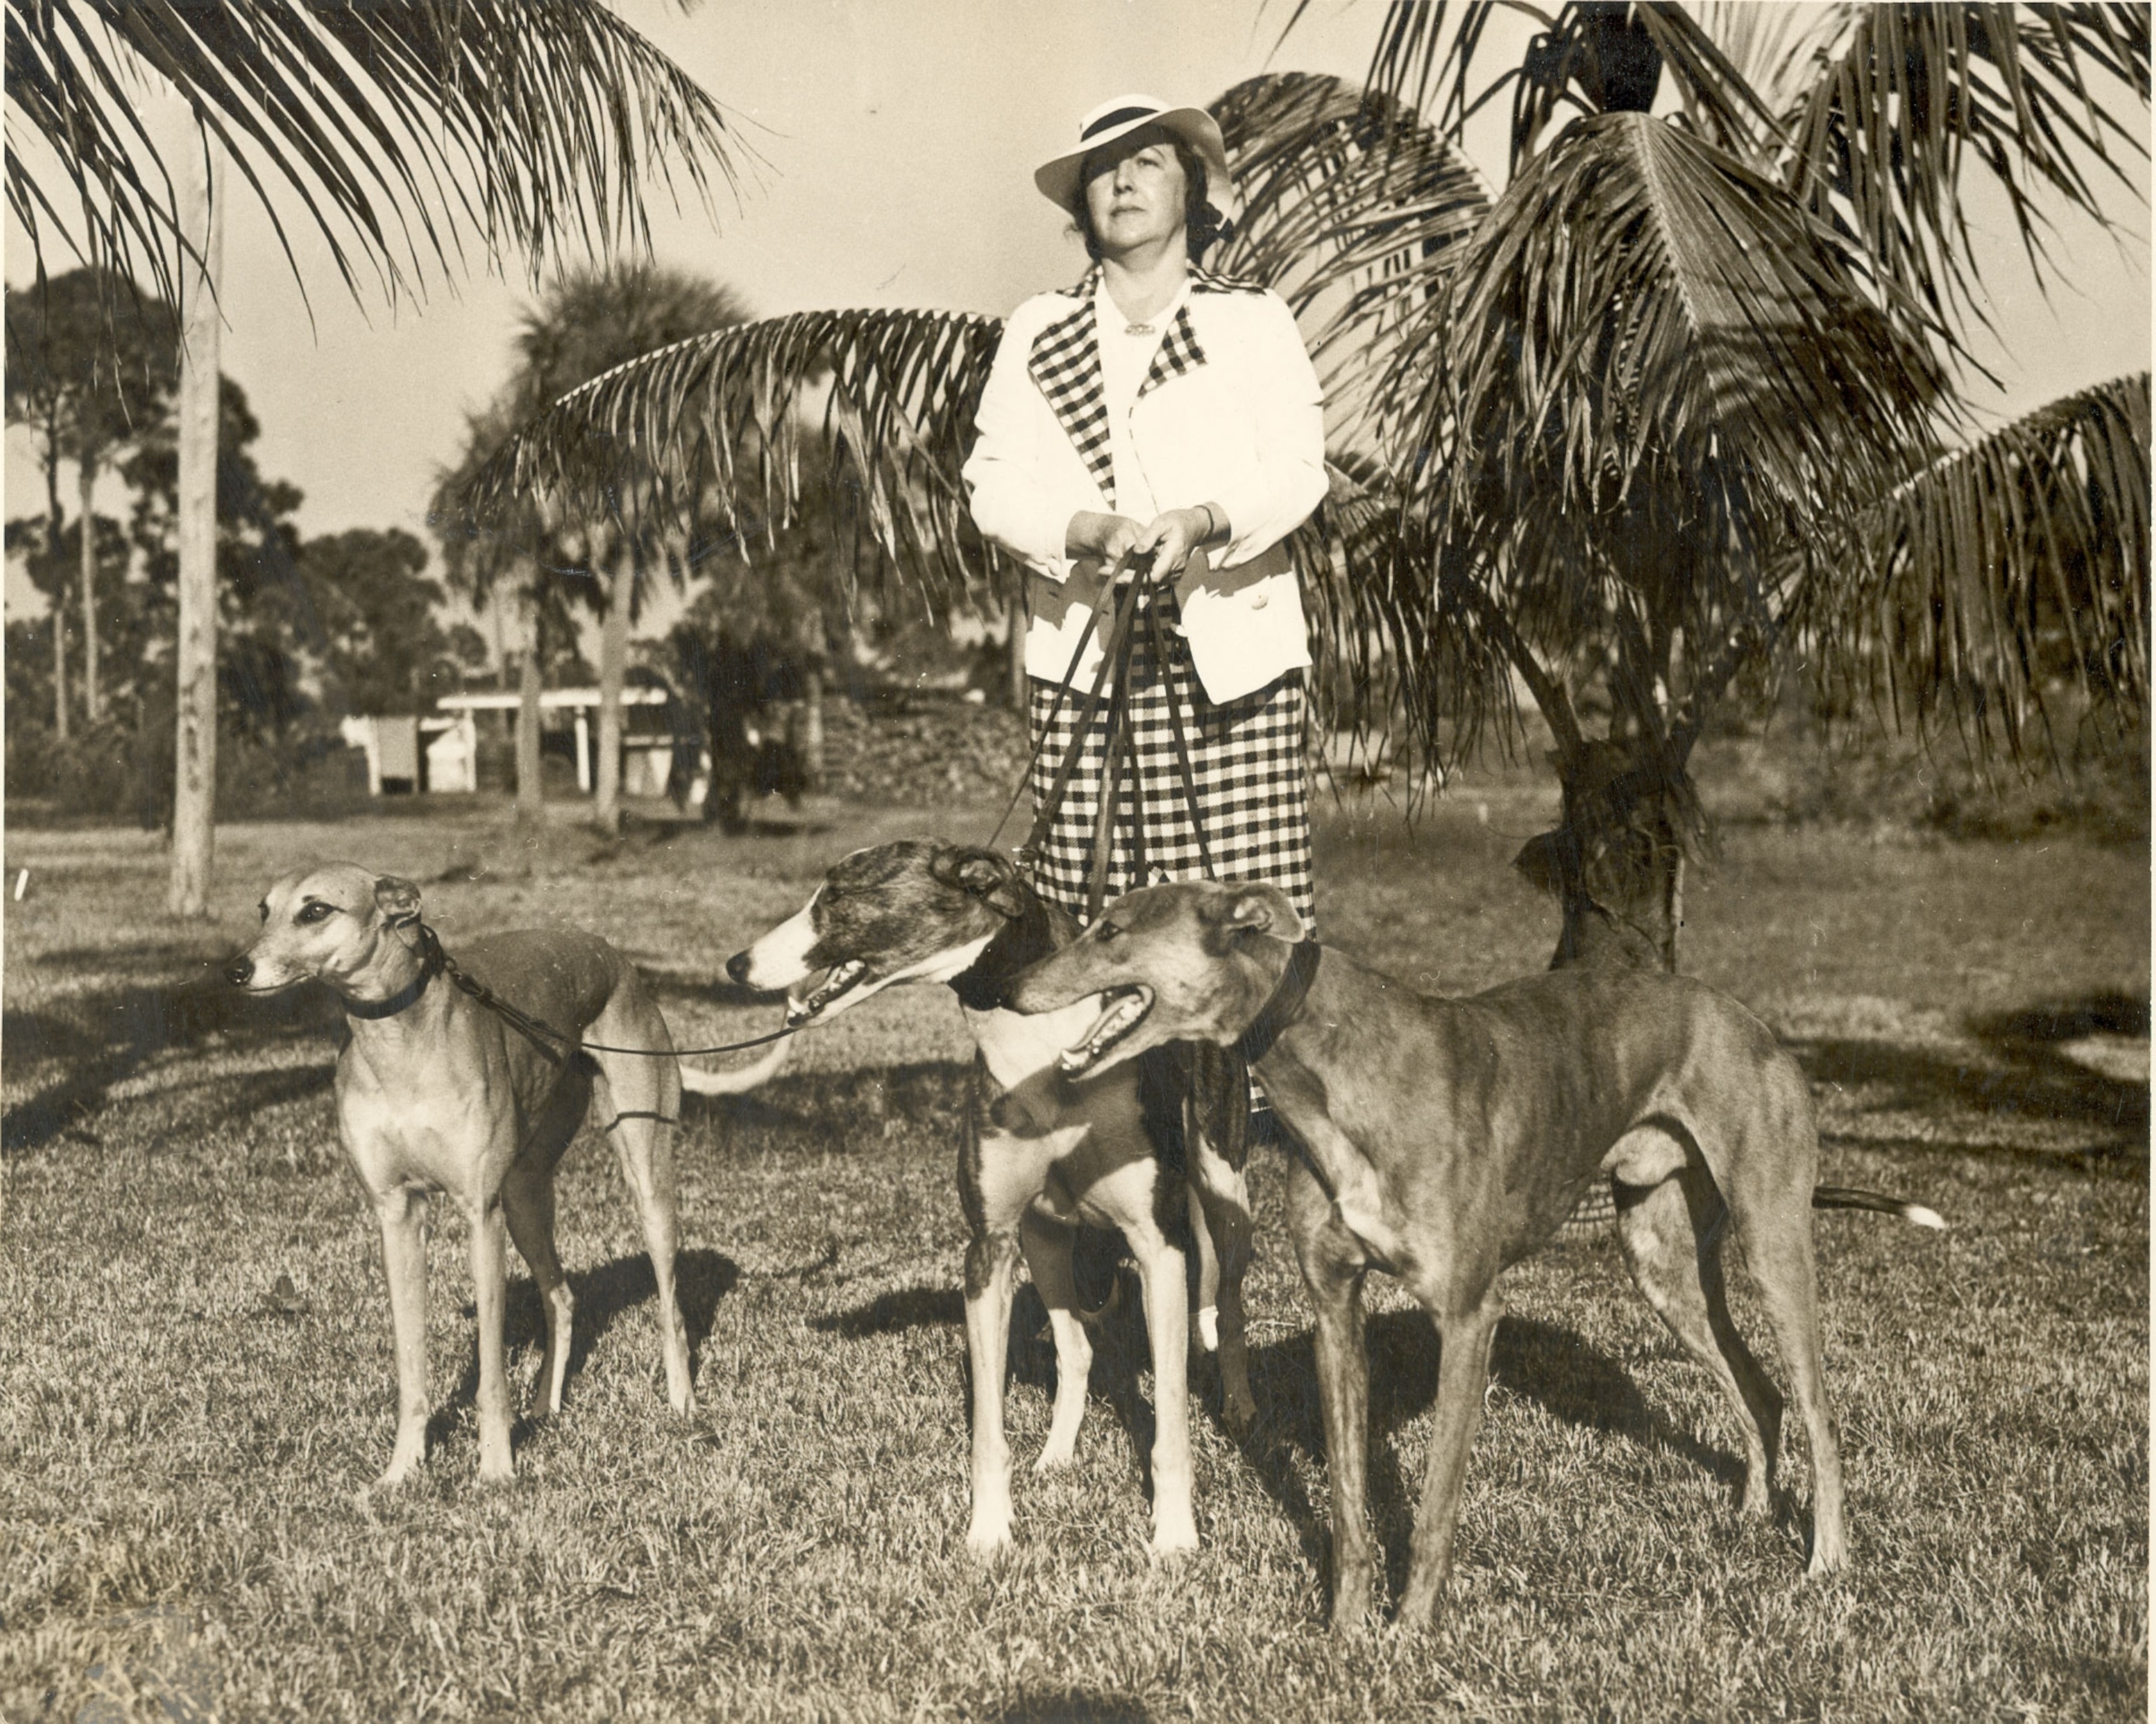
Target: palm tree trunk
59 582
194 789
89 701
613 659
531 793
1014 647
812 729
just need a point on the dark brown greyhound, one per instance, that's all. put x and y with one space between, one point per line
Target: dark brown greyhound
1442 1140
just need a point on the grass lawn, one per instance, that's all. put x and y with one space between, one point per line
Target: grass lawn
183 1534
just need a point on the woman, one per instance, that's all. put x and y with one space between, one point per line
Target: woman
1159 424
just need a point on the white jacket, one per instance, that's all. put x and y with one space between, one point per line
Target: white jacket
1230 413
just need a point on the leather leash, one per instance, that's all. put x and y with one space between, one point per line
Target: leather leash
539 1030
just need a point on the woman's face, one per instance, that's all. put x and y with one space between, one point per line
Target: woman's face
1135 192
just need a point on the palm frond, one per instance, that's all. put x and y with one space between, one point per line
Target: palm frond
1879 139
2001 577
1643 309
1353 211
398 127
1590 57
721 422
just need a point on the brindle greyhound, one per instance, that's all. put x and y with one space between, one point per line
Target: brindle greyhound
1038 1154
436 1092
1441 1141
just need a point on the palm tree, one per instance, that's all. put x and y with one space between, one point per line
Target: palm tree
588 322
1677 401
403 131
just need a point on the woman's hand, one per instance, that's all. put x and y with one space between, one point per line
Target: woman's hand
1161 547
1093 533
1169 538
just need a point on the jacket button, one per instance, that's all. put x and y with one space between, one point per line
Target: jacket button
1259 601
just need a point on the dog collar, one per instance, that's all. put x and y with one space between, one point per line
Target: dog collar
1022 941
1286 1001
430 965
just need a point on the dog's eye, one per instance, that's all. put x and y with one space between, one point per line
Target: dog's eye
316 912
1109 930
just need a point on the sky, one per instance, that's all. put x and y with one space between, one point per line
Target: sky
897 140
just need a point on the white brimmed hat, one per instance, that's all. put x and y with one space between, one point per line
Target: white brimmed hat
1123 115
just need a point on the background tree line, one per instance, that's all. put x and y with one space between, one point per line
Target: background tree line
310 629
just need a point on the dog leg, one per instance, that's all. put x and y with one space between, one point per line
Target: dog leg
1463 1375
1047 1246
639 1097
1220 1224
489 1273
527 1204
1670 1233
1162 1268
401 1211
1782 1264
991 1271
1332 1271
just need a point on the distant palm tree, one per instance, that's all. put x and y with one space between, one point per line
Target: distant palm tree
1677 402
403 129
590 320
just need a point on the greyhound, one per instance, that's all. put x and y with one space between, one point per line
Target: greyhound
1441 1141
437 1091
1037 1154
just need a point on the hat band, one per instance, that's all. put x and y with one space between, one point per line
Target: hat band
1117 118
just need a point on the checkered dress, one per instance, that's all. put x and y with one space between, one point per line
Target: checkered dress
1246 757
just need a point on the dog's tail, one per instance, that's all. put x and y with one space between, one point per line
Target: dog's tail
743 1078
1853 1197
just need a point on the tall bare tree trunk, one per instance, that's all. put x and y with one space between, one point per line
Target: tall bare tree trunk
1014 647
613 662
194 791
531 791
812 729
59 582
90 700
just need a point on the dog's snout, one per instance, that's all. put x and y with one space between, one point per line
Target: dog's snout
737 967
240 971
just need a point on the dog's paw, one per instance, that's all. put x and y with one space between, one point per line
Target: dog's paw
1174 1532
1056 1456
989 1534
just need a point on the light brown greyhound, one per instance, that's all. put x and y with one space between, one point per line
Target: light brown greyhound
438 1092
1442 1140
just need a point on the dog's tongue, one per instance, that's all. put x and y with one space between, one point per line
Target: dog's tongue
844 976
1121 1012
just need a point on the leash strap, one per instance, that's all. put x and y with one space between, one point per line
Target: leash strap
540 1031
1101 600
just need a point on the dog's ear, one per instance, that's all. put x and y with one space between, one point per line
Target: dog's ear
397 900
1253 909
994 881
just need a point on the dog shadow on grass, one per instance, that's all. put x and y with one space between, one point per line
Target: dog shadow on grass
702 1279
1539 1361
2046 1062
1121 1348
108 1035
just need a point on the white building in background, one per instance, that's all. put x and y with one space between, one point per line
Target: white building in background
441 754
409 754
646 757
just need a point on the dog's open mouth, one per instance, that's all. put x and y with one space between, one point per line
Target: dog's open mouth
841 978
1126 1009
